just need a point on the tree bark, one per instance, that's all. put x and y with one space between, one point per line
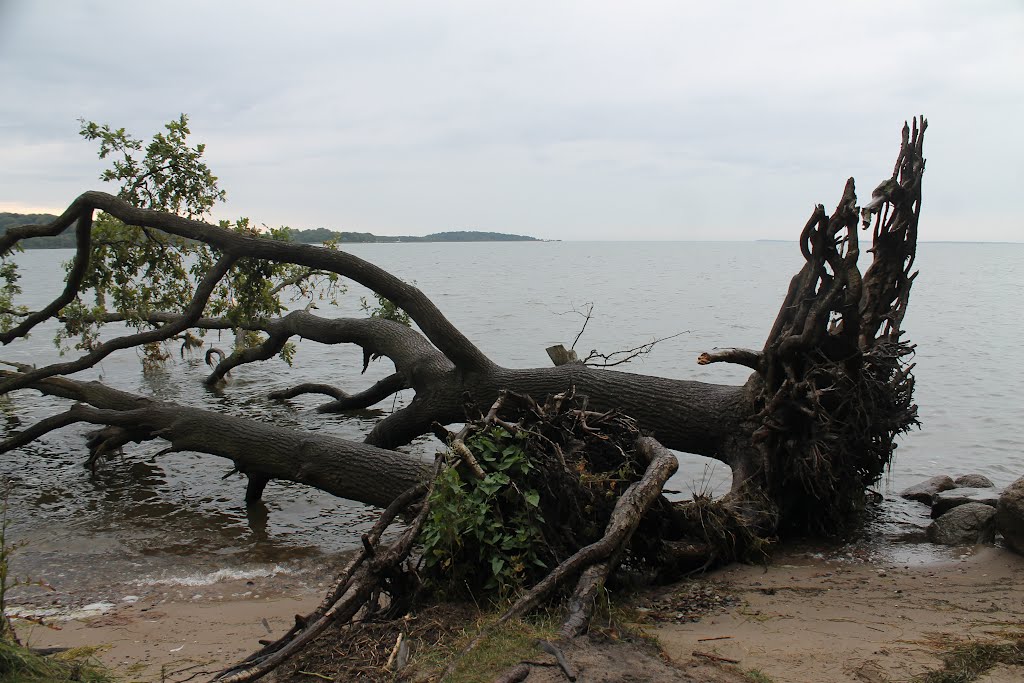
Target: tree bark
348 469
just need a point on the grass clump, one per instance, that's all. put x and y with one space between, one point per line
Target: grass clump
502 648
967 662
20 665
434 635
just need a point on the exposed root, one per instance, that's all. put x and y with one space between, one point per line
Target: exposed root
835 385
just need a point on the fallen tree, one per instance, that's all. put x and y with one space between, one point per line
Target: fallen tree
804 436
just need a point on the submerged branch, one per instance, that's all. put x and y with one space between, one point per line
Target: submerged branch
343 401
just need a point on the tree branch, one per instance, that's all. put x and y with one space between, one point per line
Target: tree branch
191 314
343 401
364 399
745 357
265 351
337 466
83 231
614 358
437 328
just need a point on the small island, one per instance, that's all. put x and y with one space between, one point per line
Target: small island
312 236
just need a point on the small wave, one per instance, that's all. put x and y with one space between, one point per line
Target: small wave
205 579
65 613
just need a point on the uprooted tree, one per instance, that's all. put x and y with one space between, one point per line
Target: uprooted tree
583 447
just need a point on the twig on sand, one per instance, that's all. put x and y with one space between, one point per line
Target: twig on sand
716 658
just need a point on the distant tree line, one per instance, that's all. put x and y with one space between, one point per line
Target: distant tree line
66 240
319 235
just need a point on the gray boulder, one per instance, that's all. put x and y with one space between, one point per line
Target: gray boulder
944 501
1010 515
924 491
973 481
966 524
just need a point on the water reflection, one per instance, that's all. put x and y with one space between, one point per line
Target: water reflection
258 514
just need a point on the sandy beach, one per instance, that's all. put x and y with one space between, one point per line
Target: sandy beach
803 618
176 638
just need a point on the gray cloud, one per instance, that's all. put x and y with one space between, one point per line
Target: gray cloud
661 120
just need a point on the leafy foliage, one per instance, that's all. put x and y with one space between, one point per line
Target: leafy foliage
9 288
135 273
484 535
386 309
552 474
170 177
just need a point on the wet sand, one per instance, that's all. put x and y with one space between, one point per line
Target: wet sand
809 619
174 638
805 618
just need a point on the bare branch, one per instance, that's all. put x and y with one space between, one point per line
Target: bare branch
614 358
353 591
746 357
586 319
296 279
265 351
308 388
24 437
388 386
343 401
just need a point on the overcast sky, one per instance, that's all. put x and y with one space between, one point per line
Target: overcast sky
584 120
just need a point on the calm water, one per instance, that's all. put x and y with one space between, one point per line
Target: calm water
141 523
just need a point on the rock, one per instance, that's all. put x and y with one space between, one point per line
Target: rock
1010 515
944 501
924 491
966 524
973 481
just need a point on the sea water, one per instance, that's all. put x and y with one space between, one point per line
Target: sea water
143 521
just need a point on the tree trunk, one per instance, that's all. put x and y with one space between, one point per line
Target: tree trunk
804 435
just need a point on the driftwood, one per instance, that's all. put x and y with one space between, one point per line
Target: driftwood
715 658
358 581
559 656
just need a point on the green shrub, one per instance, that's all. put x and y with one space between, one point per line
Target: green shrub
484 535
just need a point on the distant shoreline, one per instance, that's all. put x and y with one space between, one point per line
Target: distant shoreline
66 240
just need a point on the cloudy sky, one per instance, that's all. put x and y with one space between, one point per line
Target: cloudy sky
582 120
